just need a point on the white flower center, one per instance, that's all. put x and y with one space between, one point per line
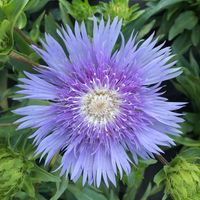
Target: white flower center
100 106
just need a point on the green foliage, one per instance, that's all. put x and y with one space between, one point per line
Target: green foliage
185 21
152 10
35 5
60 188
35 31
189 85
135 178
186 141
85 193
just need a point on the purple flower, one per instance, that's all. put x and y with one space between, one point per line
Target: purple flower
100 104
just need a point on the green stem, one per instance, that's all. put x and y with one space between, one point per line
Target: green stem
6 124
25 37
19 57
162 159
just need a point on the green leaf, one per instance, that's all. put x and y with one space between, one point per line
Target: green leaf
35 31
7 128
31 5
163 26
190 86
186 127
192 153
21 44
3 60
51 26
39 197
40 175
159 177
135 178
8 117
186 141
147 192
14 9
164 197
85 193
61 187
94 194
64 7
151 190
181 44
195 35
21 21
28 187
172 11
194 65
113 196
194 119
146 29
21 195
185 21
35 5
149 12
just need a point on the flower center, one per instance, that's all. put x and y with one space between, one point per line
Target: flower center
100 106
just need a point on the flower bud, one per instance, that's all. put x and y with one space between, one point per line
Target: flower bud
182 180
81 10
121 9
12 172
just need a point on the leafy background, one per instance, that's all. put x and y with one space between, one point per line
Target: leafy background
24 22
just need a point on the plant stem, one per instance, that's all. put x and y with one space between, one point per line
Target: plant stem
22 59
25 37
162 159
6 124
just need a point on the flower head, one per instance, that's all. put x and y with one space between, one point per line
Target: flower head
101 103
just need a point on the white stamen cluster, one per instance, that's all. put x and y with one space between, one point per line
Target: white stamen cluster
100 106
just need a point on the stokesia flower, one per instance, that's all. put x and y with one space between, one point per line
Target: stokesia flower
101 104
